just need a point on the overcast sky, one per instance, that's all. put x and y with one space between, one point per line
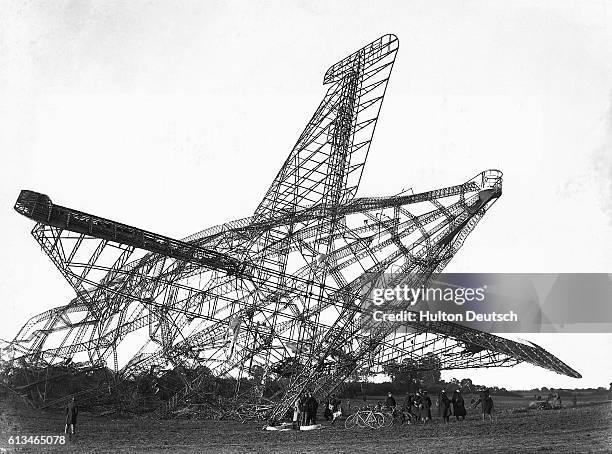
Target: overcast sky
174 116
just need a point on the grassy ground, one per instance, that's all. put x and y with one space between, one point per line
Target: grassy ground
586 428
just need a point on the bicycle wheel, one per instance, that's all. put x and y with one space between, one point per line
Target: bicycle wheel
351 421
375 420
399 418
362 419
368 420
387 419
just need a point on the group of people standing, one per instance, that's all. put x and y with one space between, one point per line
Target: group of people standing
451 406
305 410
306 406
417 407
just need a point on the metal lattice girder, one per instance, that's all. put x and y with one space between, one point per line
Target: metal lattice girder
284 291
326 163
39 208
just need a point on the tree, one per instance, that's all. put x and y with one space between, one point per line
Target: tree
430 366
467 384
409 374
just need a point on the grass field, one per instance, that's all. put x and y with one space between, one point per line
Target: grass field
586 428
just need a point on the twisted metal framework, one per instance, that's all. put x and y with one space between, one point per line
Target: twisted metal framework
284 292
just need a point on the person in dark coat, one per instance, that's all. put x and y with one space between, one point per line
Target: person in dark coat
302 408
315 409
444 406
458 405
328 410
390 401
411 408
424 407
311 410
487 404
71 416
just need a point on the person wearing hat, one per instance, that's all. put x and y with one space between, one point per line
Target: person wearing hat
328 409
390 401
302 409
297 409
311 410
487 404
444 406
424 406
458 405
410 408
71 417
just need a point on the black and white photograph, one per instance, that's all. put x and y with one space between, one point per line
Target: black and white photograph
305 226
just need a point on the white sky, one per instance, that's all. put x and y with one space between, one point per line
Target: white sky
173 116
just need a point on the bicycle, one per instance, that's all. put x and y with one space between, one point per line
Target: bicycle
365 418
393 417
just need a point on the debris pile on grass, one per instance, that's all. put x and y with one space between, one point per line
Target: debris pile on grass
102 392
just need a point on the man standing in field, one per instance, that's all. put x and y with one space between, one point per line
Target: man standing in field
424 406
71 417
458 405
411 408
302 408
390 402
314 408
328 409
297 405
444 405
487 404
